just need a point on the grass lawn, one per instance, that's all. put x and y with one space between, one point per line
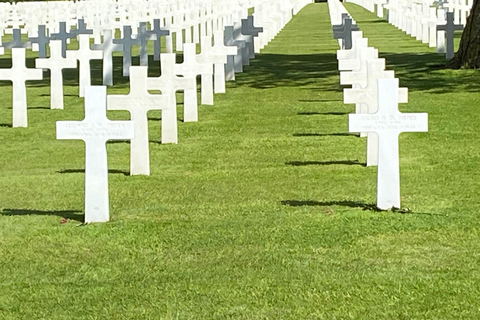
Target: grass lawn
262 209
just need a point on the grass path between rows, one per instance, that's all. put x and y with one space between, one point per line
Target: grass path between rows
262 209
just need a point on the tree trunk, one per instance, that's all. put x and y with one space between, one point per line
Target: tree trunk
468 54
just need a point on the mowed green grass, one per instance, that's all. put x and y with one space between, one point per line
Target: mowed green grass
262 211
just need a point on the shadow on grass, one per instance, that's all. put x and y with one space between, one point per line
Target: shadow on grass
6 125
67 214
112 171
322 113
344 203
325 163
339 134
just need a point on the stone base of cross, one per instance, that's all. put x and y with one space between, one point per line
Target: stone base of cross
388 123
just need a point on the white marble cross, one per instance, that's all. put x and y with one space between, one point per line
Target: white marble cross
18 74
369 97
96 129
449 29
208 58
248 28
84 54
168 83
108 47
219 48
138 102
388 123
190 68
235 62
56 63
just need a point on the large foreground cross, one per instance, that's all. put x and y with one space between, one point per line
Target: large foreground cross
95 130
388 123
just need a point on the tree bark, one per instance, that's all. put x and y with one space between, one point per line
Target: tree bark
468 54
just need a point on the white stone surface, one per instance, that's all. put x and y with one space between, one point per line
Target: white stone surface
388 123
138 102
56 63
449 29
95 130
18 74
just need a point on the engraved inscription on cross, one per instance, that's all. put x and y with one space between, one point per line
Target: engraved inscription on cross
18 74
138 102
388 123
95 130
449 29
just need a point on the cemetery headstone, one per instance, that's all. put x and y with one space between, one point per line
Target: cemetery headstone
388 123
138 102
18 74
63 35
128 42
168 83
41 40
56 63
449 29
108 47
84 55
157 43
17 41
96 129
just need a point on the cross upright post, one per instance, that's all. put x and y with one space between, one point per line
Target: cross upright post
108 47
449 29
81 28
190 68
56 64
248 28
138 102
388 123
84 54
18 74
96 129
168 83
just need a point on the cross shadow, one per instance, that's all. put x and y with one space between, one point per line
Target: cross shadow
118 141
33 108
67 214
322 113
6 125
325 163
339 134
344 203
319 100
65 95
112 171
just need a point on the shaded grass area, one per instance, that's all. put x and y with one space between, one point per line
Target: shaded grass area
264 210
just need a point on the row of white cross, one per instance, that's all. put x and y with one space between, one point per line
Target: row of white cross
425 21
376 94
232 45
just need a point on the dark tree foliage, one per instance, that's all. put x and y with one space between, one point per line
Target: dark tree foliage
468 54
